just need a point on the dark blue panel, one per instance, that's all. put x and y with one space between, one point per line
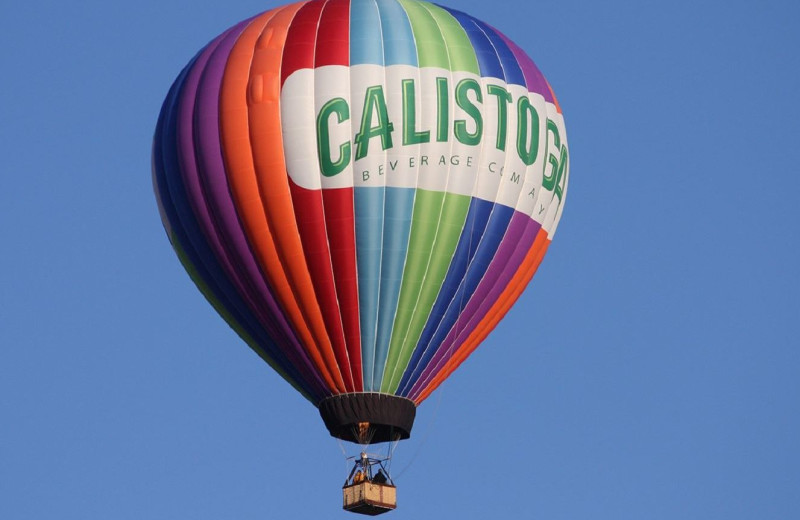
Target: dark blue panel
488 61
495 58
486 222
494 232
474 227
511 67
189 236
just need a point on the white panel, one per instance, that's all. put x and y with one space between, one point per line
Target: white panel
298 120
483 170
303 95
516 173
433 175
491 161
454 168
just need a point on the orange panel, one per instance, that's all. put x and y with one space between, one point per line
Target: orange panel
250 113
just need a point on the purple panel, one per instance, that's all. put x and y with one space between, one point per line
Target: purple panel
519 239
533 77
204 175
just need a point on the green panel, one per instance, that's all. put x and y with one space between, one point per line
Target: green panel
454 210
441 41
460 51
438 218
425 219
431 48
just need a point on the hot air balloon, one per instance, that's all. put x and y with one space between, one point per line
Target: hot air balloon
362 189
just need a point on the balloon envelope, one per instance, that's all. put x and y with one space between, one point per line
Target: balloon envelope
362 189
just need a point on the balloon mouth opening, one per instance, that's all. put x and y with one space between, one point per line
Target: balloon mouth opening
368 418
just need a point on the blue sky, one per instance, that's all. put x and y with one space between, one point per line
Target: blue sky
651 369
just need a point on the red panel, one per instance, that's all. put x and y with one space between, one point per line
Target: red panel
340 225
279 243
311 224
333 36
301 40
319 35
333 48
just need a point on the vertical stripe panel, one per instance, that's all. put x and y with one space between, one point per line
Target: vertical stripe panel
201 136
366 44
398 202
191 244
241 175
513 265
266 132
438 217
333 49
310 215
487 220
366 48
399 46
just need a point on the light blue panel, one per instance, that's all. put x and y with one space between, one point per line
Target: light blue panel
366 43
399 205
380 26
369 209
400 47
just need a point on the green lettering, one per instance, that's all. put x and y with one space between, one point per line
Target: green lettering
462 100
503 99
549 181
562 172
410 133
330 168
374 103
527 122
443 110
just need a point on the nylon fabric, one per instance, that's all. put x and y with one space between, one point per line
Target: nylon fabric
361 189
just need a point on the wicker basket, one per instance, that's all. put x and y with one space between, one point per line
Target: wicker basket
369 498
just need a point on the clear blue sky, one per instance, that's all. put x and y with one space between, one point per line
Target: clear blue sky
651 370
